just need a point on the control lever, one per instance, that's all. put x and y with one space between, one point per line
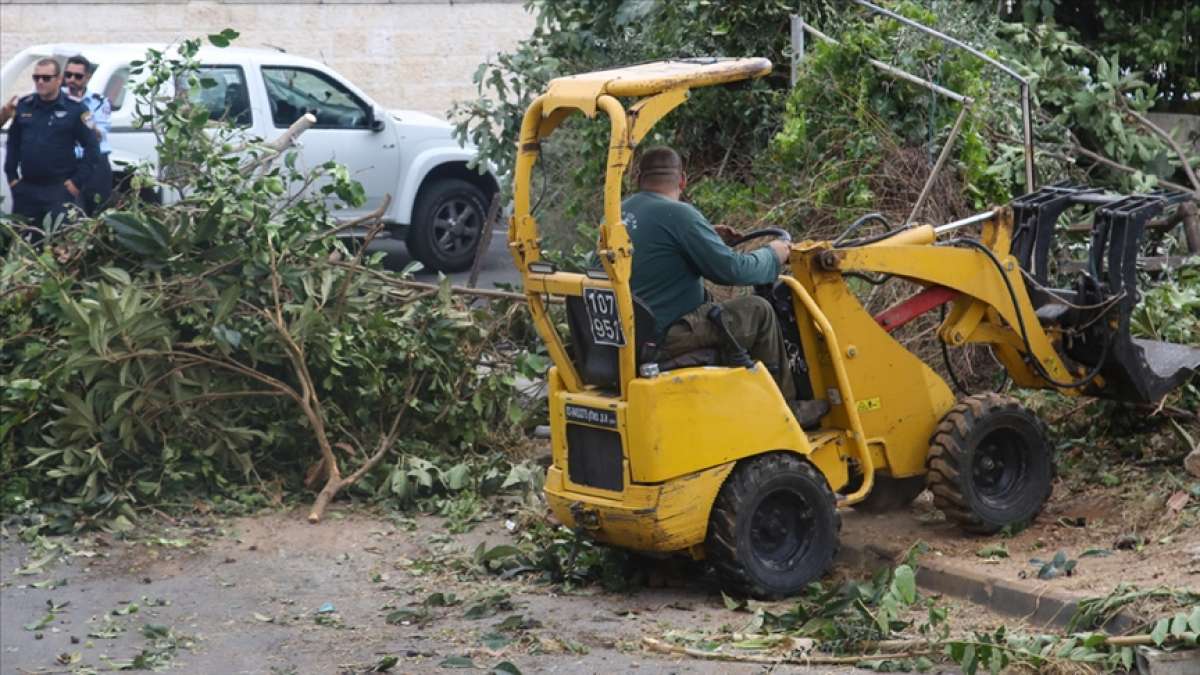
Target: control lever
737 355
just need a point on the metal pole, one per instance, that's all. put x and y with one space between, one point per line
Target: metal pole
970 220
937 166
1027 132
797 46
1027 122
896 72
942 36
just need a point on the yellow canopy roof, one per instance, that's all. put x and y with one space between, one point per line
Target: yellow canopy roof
581 91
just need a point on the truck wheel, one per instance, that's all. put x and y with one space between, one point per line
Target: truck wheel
889 494
774 527
990 464
448 220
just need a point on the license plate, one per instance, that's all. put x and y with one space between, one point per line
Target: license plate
601 305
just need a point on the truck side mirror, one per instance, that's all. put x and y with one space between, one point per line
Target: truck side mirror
375 121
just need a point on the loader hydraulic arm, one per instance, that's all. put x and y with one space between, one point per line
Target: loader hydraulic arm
989 300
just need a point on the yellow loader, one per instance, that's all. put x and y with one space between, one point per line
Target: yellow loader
693 456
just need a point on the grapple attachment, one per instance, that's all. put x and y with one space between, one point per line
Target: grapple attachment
1094 312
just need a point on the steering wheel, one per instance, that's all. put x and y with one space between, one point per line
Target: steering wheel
765 290
772 232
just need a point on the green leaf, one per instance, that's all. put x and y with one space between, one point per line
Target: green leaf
499 552
457 662
505 668
1161 629
41 623
733 604
495 641
1179 625
904 584
116 275
993 551
457 477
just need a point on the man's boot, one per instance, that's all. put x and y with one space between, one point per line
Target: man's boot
809 413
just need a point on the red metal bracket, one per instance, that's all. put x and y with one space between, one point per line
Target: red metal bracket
905 311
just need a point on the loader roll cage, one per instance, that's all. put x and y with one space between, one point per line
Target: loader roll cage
661 87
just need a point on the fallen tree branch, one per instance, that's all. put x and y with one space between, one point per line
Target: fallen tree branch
1170 140
336 483
372 217
668 648
408 283
1113 164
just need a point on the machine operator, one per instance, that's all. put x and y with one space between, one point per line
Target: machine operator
675 249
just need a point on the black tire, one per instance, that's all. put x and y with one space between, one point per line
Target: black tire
774 527
990 464
448 221
890 494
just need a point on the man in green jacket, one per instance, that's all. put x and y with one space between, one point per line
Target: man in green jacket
675 248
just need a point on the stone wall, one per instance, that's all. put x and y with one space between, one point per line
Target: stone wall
405 54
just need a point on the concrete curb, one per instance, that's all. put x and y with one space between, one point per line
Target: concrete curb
1042 608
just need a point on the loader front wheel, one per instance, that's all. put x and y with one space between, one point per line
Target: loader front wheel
990 464
774 527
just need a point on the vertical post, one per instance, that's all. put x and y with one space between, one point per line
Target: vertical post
1027 132
797 46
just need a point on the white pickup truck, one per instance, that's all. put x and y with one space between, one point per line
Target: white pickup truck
439 203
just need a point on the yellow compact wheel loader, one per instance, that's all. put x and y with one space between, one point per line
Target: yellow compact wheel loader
702 456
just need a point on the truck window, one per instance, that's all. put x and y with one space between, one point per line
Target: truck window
294 91
227 99
117 87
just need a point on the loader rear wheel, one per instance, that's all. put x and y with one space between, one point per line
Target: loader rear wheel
990 464
774 527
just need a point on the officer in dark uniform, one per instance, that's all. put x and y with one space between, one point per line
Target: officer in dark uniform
42 171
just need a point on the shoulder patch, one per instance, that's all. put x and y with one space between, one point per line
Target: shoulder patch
86 116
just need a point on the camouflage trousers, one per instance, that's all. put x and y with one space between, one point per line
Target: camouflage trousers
752 322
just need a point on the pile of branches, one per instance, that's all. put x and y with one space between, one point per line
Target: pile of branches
228 338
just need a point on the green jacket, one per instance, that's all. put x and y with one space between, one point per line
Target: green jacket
675 248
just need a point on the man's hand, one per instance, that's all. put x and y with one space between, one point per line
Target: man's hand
727 234
781 249
13 182
71 188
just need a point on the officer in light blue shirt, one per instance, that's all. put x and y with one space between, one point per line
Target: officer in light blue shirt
76 76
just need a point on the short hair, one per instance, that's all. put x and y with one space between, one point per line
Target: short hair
660 164
81 60
50 62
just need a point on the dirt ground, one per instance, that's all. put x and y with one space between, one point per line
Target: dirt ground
248 595
273 594
1112 538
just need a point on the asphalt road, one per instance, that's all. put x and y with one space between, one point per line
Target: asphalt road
497 262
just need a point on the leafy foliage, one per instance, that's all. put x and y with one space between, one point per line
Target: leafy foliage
885 625
220 340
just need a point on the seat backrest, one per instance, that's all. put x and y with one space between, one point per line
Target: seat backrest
598 364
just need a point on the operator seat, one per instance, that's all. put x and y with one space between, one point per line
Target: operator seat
598 364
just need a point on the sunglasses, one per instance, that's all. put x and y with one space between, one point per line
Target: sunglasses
74 76
43 78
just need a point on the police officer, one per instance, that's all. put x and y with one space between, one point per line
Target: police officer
76 75
41 167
